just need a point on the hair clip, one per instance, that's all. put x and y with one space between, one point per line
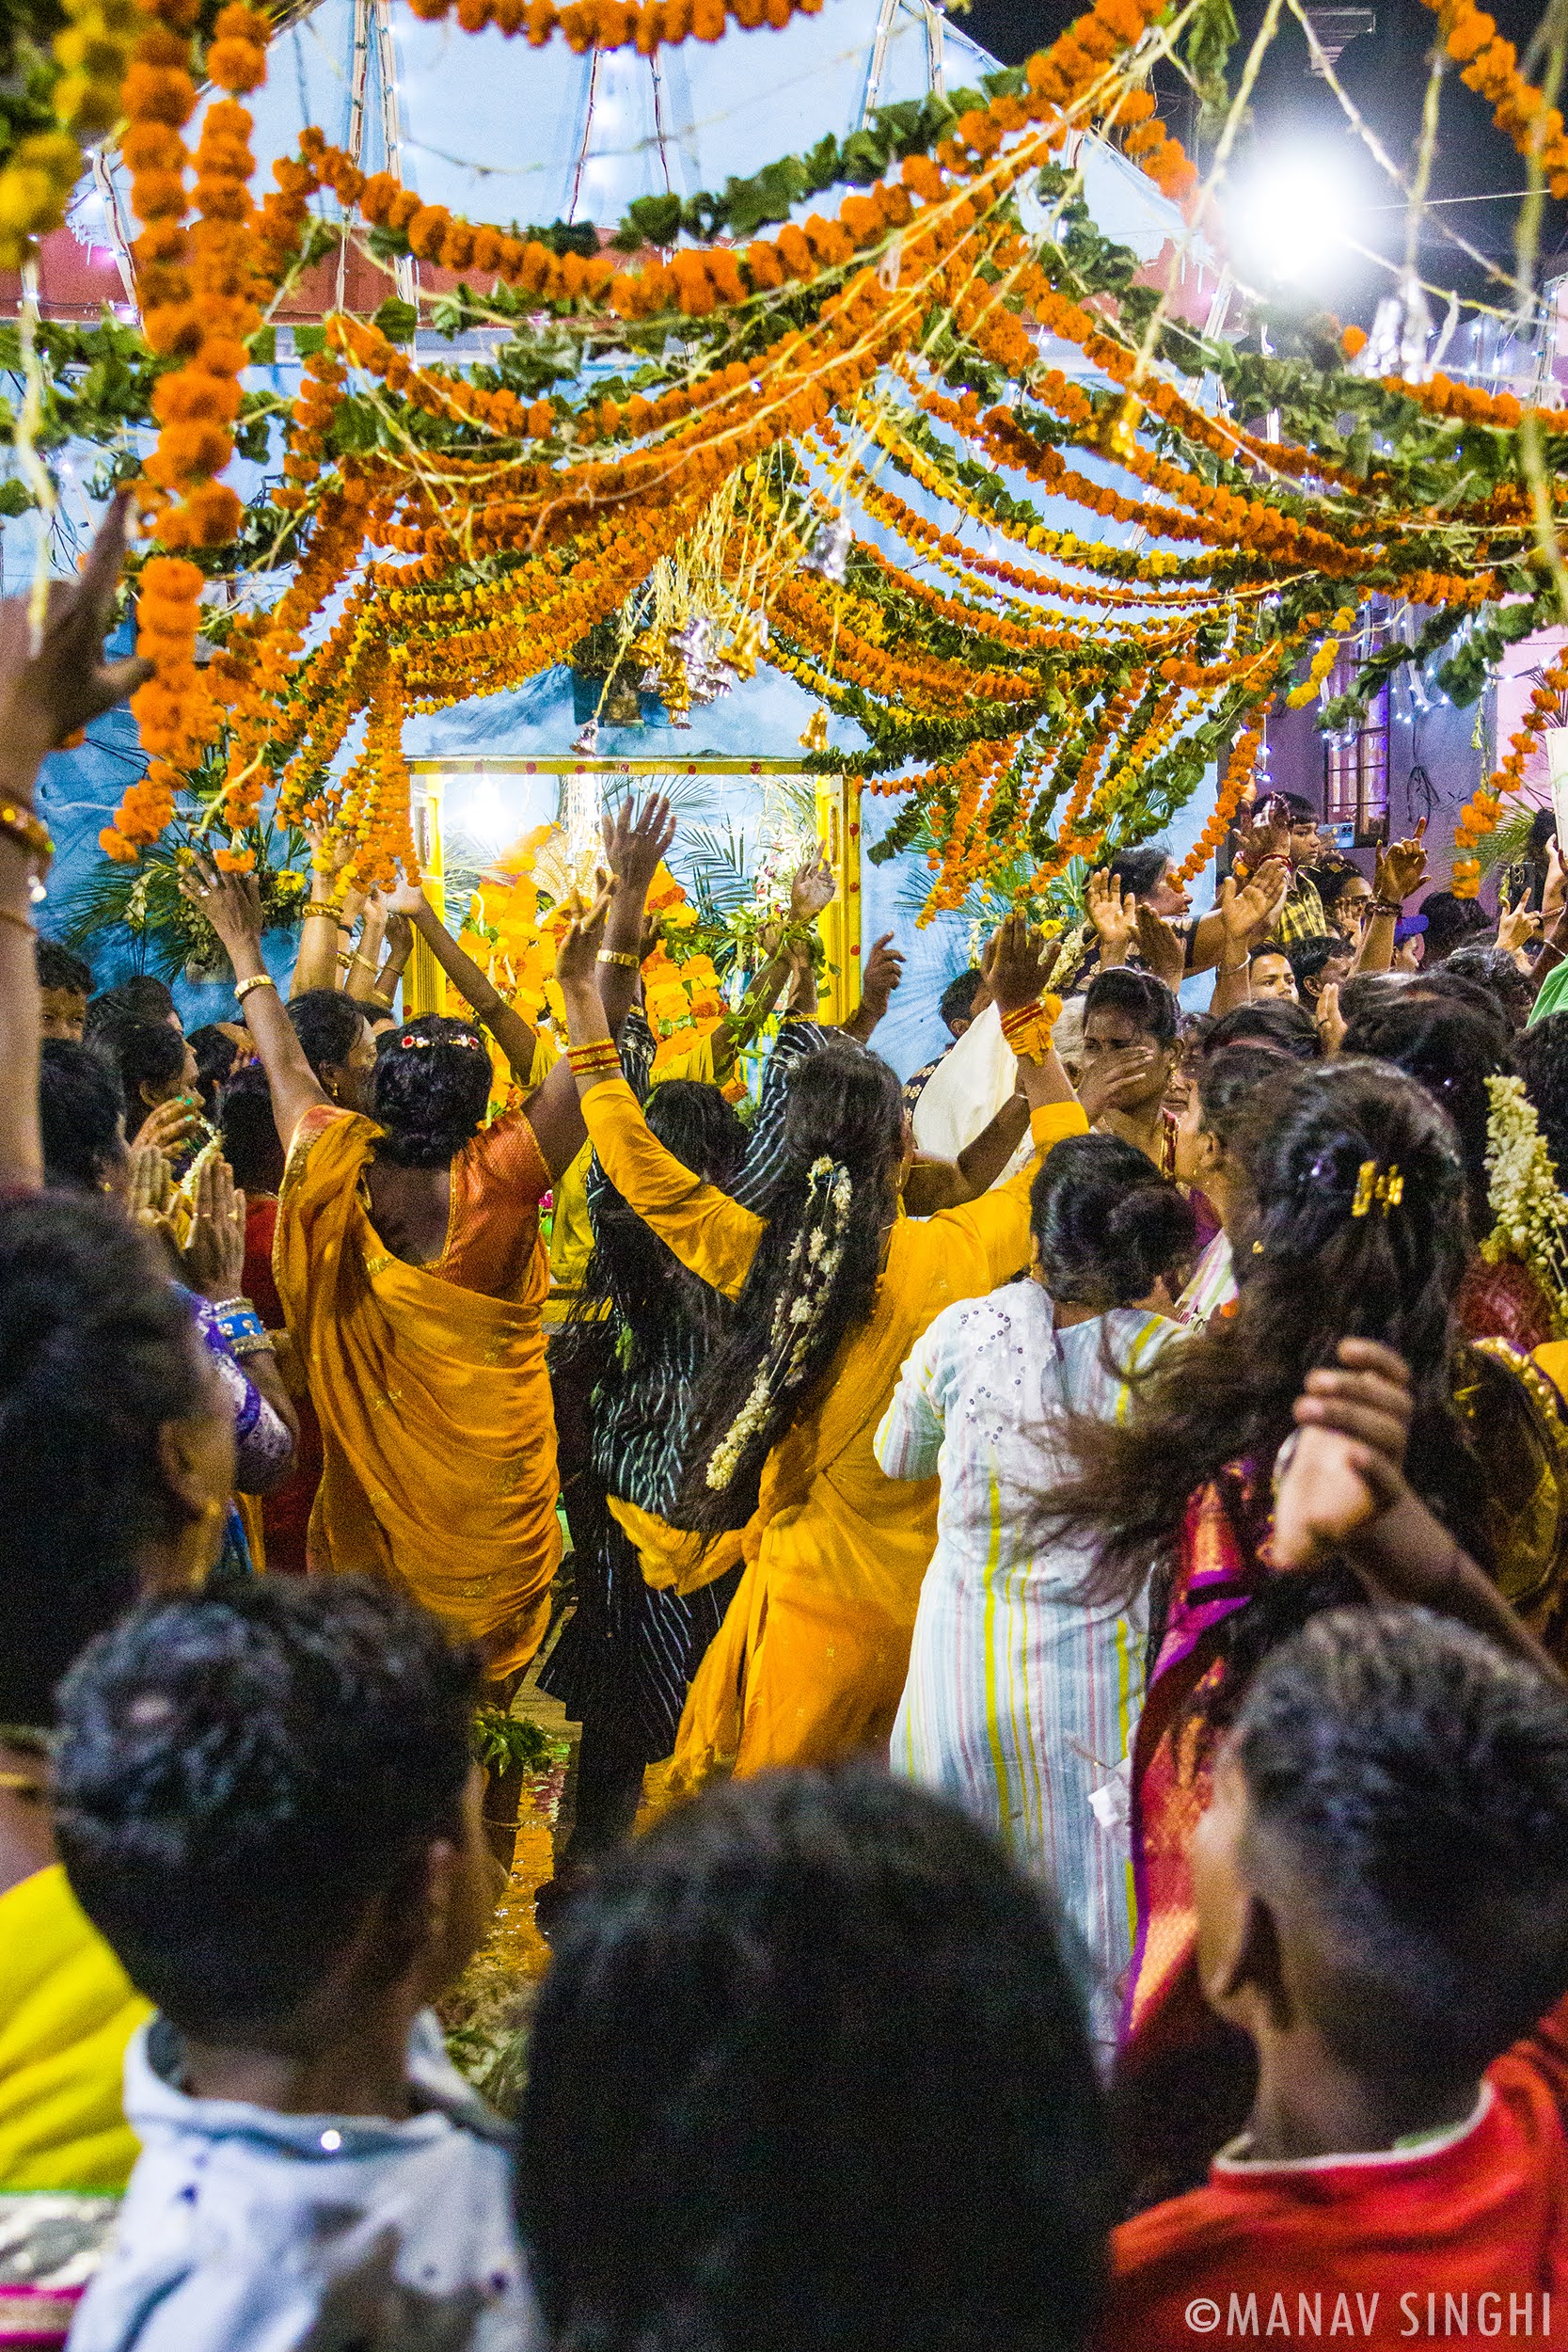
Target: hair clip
408 1044
1388 1190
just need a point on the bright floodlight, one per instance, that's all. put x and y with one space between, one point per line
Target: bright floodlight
1288 215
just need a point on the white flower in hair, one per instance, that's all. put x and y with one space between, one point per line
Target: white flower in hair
1529 1212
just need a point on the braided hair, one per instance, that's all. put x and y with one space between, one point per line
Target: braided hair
633 1280
813 1279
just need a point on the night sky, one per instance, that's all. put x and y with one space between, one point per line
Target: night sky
1384 72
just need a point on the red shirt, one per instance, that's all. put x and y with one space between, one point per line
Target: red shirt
1462 2242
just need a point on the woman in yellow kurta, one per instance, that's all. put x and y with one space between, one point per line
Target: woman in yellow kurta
834 1287
411 1269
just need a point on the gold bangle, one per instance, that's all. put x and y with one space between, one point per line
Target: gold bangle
257 979
382 1004
365 963
619 955
20 922
27 830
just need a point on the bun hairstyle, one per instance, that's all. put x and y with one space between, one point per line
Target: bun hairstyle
431 1090
1107 1224
812 1280
1322 1270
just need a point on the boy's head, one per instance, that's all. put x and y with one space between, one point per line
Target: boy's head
808 2071
1319 962
64 983
958 1000
1384 1865
1305 841
266 1804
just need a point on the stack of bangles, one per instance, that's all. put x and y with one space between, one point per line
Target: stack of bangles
599 1058
243 1327
1027 1030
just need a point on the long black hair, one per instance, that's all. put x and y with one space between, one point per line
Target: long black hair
633 1280
813 1279
1453 1050
1319 1273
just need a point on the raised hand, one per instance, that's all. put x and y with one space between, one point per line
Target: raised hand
1248 910
1401 867
635 840
1162 947
47 694
408 899
1331 1023
1014 964
232 905
214 1247
399 942
579 944
812 888
1345 1467
166 1126
1114 917
1262 831
884 970
1516 924
150 1181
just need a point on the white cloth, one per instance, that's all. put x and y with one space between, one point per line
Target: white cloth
966 1091
1022 1699
247 2230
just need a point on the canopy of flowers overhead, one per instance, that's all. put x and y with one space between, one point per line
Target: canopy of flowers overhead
716 432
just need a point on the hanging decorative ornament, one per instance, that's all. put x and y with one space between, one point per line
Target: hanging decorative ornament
829 549
747 644
815 735
621 706
587 741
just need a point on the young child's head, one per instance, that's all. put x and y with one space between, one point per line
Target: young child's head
266 1804
1383 1869
808 2071
1105 1223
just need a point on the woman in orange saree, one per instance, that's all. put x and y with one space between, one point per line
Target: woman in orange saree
834 1287
411 1269
1358 1232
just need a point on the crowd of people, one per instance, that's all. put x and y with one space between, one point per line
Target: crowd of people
1066 1605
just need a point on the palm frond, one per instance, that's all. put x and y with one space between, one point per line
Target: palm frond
716 872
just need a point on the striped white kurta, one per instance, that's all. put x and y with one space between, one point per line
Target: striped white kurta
1021 1700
